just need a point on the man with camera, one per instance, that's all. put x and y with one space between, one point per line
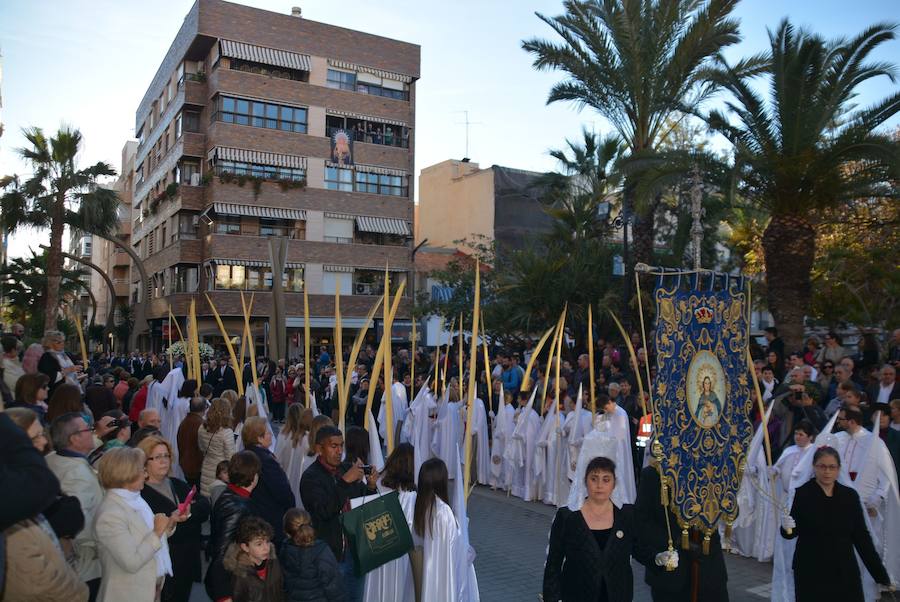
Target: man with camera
795 400
326 488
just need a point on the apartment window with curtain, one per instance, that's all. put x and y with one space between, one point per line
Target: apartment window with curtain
338 230
260 114
228 224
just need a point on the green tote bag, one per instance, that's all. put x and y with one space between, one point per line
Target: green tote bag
377 532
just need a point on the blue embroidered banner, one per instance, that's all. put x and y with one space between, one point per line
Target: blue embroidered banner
703 395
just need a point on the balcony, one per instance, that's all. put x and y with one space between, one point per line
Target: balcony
122 288
121 258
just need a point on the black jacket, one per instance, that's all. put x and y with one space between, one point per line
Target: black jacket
311 574
324 496
184 544
828 531
230 508
272 496
246 584
49 365
577 567
222 382
651 526
23 471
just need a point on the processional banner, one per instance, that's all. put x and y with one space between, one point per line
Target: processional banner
703 394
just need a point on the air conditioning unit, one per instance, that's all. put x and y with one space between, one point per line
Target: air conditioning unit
195 179
363 289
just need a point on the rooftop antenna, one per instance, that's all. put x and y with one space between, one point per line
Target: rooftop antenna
467 123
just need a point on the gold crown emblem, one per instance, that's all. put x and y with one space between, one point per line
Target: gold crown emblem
703 315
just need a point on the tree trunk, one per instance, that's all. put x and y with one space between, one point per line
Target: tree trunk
54 263
789 244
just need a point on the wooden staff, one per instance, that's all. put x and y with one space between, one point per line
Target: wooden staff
473 359
194 336
169 348
591 360
388 373
84 357
248 335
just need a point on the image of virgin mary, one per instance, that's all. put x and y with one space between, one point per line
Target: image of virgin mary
708 405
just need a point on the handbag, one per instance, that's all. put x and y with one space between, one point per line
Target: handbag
377 532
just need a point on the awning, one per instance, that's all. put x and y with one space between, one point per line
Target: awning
267 56
244 155
365 117
383 225
256 263
379 72
387 171
338 268
441 294
257 211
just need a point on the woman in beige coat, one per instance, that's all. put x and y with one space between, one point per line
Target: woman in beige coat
131 540
216 441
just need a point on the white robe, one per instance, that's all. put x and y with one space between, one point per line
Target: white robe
754 535
291 458
399 407
551 456
783 553
503 427
577 425
481 455
417 426
599 442
393 580
443 580
172 412
618 428
155 393
447 436
519 453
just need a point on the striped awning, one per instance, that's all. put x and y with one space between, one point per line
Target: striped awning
256 263
387 171
383 225
244 155
379 72
365 117
338 268
267 56
257 211
441 294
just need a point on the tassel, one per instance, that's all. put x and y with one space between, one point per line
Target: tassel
664 492
706 544
685 544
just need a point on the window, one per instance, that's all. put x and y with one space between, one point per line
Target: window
270 70
275 227
228 224
339 178
330 281
371 131
230 277
260 114
293 280
297 174
185 279
338 230
188 172
381 184
376 238
187 228
191 121
341 80
371 282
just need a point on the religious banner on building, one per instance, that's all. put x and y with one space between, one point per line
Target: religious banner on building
703 394
341 148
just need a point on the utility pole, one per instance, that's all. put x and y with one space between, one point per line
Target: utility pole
696 216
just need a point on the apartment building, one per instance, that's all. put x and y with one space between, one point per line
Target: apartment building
110 258
259 125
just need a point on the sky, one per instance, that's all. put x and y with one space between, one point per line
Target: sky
88 64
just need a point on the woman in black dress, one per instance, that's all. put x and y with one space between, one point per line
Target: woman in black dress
590 549
827 520
163 493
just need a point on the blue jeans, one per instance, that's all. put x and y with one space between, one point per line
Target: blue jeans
352 584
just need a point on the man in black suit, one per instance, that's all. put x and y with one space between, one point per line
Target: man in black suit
887 389
675 586
775 342
205 373
224 378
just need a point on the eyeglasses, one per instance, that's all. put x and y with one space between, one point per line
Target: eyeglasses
160 457
831 467
87 430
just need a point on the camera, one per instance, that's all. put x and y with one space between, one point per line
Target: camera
367 469
798 395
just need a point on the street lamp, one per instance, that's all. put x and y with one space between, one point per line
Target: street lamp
622 221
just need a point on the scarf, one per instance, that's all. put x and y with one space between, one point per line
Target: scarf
134 500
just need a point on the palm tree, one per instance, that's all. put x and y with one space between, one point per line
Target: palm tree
57 194
638 63
25 280
804 147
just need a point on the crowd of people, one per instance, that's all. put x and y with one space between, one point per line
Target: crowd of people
137 482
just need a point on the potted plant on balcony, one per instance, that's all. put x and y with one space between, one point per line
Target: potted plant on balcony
172 190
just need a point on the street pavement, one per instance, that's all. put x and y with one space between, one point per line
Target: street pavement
510 540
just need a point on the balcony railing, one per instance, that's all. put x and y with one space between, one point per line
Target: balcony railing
384 139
